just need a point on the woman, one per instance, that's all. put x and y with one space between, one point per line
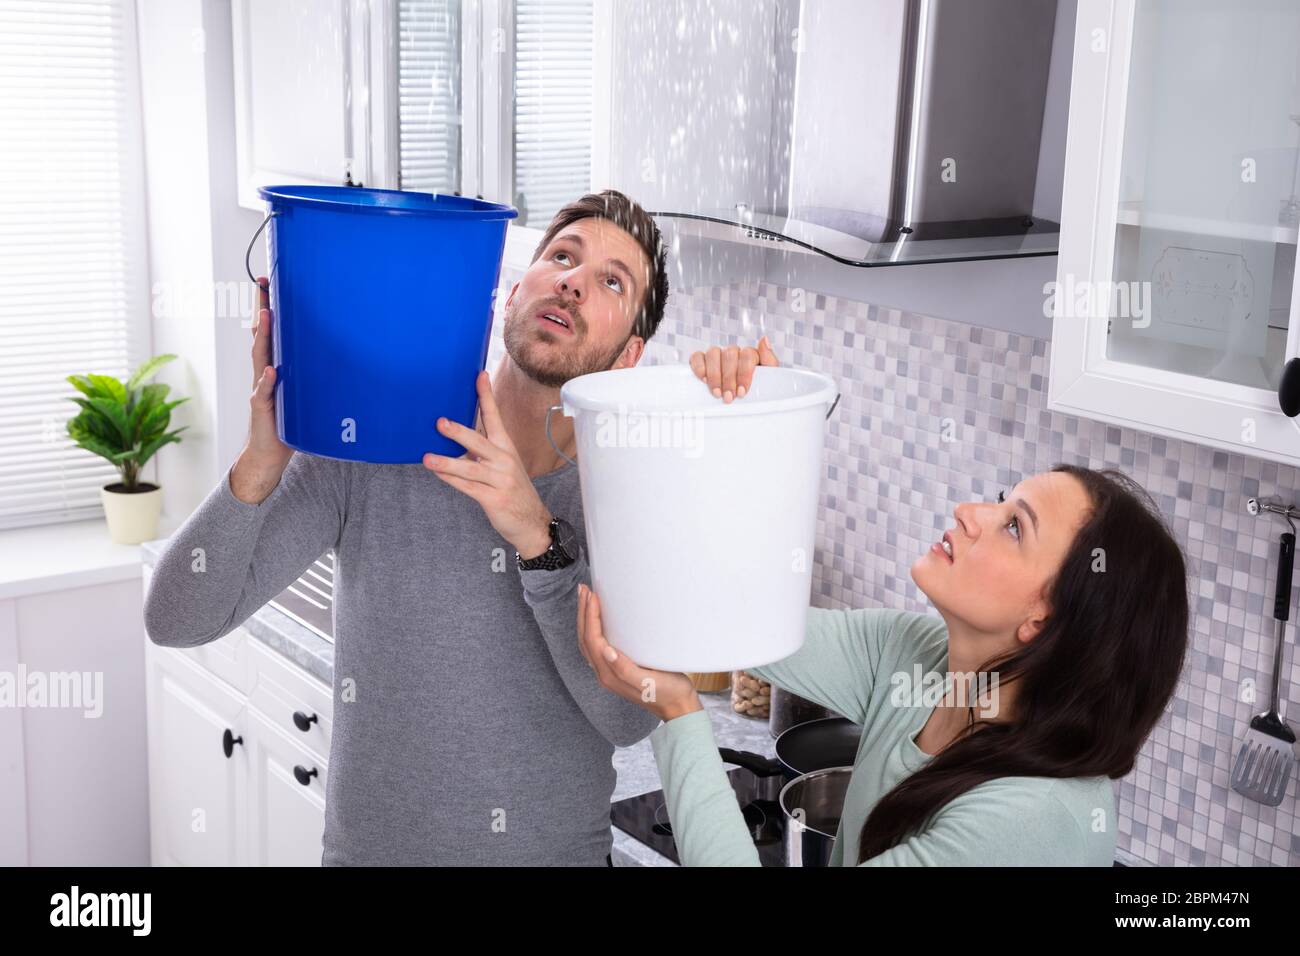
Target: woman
1068 595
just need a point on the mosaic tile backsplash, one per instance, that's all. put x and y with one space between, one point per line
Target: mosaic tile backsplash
891 485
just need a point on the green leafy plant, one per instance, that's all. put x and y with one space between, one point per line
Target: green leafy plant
125 423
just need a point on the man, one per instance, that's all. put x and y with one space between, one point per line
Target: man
468 729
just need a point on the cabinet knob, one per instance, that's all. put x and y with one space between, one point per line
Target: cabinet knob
228 741
302 721
303 775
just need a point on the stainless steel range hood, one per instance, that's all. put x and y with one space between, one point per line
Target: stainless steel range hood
914 137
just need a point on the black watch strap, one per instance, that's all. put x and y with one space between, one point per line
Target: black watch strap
562 552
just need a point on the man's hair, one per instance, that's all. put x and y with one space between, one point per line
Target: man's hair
640 225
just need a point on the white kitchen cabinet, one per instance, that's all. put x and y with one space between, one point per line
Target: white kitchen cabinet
1176 303
286 799
73 753
304 98
197 794
264 804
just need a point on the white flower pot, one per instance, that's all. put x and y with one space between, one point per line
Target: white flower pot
132 516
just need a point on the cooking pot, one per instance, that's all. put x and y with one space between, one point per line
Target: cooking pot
812 805
805 782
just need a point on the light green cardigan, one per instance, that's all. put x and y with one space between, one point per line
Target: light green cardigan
850 662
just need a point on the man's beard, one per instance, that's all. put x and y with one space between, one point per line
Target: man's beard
563 367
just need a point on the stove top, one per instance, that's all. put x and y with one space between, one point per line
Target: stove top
645 818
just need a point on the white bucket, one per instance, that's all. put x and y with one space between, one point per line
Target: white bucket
700 515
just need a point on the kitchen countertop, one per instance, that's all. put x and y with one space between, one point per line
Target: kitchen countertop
634 765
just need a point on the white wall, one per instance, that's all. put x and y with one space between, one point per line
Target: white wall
197 237
232 227
180 233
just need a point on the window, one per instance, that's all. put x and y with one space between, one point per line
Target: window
72 252
494 99
429 95
552 106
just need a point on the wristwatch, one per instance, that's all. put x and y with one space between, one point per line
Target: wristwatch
562 552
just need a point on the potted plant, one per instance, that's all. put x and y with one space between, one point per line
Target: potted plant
126 423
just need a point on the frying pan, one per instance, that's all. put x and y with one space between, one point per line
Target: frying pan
815 745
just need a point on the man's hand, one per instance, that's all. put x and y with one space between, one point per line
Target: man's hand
729 371
492 474
259 466
663 693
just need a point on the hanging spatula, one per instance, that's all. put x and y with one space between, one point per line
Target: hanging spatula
1267 751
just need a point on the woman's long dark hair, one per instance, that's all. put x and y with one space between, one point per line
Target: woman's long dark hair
1093 683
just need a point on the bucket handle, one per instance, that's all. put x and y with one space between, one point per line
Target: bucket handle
249 251
833 404
554 447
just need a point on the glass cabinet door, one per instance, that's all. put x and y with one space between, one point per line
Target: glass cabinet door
1205 245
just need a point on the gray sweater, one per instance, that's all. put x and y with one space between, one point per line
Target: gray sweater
468 728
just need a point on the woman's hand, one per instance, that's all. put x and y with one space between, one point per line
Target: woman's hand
729 371
663 693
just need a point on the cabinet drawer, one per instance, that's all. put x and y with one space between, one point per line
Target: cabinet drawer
281 689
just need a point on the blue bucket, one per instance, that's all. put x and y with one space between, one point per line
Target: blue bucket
383 311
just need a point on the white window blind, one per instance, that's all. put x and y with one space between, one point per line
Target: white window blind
428 95
72 270
552 106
